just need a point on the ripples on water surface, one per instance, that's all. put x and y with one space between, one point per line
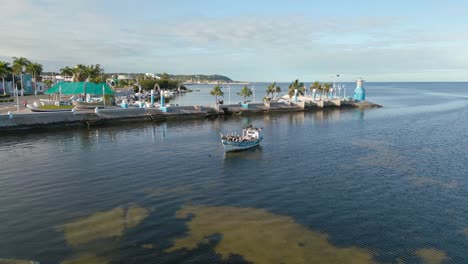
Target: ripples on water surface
355 186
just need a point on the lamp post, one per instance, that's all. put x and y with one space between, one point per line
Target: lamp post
253 90
103 96
178 88
17 98
139 96
305 92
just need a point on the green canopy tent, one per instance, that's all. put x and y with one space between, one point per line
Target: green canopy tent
69 88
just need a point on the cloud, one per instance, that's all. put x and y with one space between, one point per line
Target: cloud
245 47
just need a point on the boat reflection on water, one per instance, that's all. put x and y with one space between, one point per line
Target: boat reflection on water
249 154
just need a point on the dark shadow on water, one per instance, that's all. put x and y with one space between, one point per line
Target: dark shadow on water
251 154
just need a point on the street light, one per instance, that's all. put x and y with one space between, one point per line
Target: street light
253 90
17 98
103 96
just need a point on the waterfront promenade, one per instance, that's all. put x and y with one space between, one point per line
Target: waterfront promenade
25 119
11 106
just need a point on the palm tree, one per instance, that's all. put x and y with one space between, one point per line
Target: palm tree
19 66
66 72
95 73
217 92
296 85
277 89
48 83
80 73
272 89
326 88
5 69
245 92
34 69
316 85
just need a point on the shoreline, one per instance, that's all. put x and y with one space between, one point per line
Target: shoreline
27 121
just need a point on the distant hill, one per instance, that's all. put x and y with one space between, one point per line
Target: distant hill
190 78
200 78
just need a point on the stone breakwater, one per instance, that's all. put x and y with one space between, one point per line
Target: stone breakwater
87 118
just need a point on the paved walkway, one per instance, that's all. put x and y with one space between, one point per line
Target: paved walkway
11 106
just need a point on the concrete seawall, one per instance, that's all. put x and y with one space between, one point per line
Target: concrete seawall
62 119
31 120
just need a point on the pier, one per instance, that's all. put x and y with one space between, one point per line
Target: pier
26 120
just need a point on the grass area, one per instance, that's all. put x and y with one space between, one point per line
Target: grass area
48 107
6 100
4 96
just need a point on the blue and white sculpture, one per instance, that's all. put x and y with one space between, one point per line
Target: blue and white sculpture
360 92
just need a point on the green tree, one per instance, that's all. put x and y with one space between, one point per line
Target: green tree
165 76
96 73
272 89
66 71
326 88
5 69
147 84
216 91
48 83
245 92
164 84
122 83
80 73
83 73
19 67
316 85
296 85
34 69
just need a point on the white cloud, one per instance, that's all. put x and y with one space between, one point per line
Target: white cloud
263 47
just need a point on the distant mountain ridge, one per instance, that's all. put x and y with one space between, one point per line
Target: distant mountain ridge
187 78
200 78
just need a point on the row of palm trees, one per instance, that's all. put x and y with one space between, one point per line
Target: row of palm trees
82 73
19 66
314 87
22 65
245 92
294 87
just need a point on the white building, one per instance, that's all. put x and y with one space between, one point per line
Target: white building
152 75
122 77
57 78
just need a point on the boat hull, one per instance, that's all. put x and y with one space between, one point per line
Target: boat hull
230 146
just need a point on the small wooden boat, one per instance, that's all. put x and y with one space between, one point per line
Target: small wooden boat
251 137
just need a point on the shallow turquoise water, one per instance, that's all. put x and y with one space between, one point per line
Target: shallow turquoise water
390 181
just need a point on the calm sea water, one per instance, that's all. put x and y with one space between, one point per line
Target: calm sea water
384 185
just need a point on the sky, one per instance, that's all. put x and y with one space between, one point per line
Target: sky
409 40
